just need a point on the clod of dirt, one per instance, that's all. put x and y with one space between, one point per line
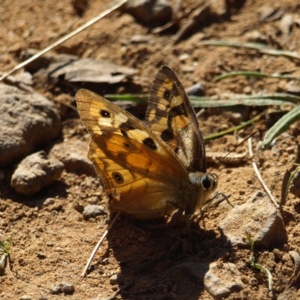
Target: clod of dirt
295 187
34 172
255 36
286 24
27 121
64 287
259 218
80 6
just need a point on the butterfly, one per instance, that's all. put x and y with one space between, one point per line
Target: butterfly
149 169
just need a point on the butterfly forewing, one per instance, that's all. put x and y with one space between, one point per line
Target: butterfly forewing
137 166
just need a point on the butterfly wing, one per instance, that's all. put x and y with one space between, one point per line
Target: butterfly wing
171 116
138 169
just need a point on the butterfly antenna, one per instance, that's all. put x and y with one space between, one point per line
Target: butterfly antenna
99 244
235 147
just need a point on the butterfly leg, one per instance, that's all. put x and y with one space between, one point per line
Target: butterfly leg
216 200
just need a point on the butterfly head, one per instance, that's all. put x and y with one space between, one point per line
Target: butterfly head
204 185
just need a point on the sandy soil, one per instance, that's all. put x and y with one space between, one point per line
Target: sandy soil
51 244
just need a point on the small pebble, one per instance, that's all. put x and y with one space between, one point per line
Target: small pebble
25 297
41 255
236 118
55 289
67 287
113 279
116 279
184 56
253 281
48 201
91 211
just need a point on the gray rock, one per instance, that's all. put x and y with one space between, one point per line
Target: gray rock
64 287
193 270
56 289
149 11
91 211
27 121
90 70
35 172
295 186
258 217
222 280
42 63
73 154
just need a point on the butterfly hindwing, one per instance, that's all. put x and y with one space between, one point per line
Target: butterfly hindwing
171 116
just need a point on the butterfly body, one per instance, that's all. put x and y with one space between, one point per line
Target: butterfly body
149 171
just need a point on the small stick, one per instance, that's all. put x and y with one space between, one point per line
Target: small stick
99 244
259 176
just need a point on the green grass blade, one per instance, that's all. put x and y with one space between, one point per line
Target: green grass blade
139 98
280 126
291 179
233 129
262 48
256 265
5 250
262 268
247 100
230 100
256 74
234 102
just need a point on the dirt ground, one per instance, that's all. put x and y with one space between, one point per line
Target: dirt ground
51 244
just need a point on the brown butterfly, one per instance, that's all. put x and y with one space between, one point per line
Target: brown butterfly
149 171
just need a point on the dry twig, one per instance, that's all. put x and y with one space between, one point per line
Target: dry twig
259 176
99 244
